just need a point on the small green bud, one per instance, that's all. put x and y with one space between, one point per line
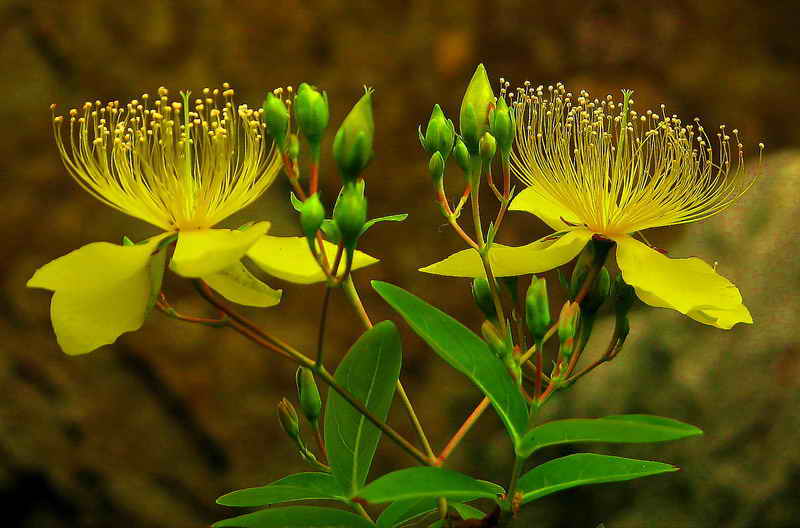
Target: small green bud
311 114
312 214
288 418
624 296
352 146
474 114
493 339
461 154
568 321
482 294
439 135
436 168
488 148
308 394
537 308
594 253
350 214
276 117
293 147
501 124
599 292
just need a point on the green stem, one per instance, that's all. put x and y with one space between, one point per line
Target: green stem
248 330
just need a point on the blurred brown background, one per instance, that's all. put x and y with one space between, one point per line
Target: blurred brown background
146 433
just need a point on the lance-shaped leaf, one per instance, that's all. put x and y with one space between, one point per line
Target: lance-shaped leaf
422 482
302 486
623 428
297 517
583 469
369 372
401 512
464 351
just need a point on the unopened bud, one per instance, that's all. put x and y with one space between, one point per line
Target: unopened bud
311 114
439 134
537 308
488 147
352 146
568 320
501 124
461 155
288 418
474 114
482 294
308 394
593 255
598 293
276 117
436 169
350 214
312 214
624 296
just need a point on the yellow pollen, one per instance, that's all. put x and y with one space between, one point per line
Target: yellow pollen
174 168
619 171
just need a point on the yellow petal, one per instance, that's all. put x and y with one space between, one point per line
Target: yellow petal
548 210
238 285
289 258
203 252
102 290
687 285
544 254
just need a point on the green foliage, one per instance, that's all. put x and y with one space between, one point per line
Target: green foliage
301 486
464 351
582 469
297 517
422 482
369 372
401 512
624 428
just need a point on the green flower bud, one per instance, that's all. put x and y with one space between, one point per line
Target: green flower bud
594 253
482 294
293 147
474 114
352 146
308 394
599 292
312 214
488 148
350 214
461 154
537 308
439 135
288 418
311 114
624 296
567 328
501 124
436 168
276 117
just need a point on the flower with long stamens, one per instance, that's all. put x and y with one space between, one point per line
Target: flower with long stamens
182 166
597 168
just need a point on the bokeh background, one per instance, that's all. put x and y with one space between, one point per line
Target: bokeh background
147 432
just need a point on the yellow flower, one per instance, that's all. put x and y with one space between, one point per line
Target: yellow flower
182 170
598 168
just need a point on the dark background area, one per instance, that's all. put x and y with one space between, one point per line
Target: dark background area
149 431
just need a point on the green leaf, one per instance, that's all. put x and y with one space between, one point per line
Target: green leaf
583 469
464 351
369 372
390 218
331 231
401 512
297 517
302 486
297 205
624 428
466 512
421 482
